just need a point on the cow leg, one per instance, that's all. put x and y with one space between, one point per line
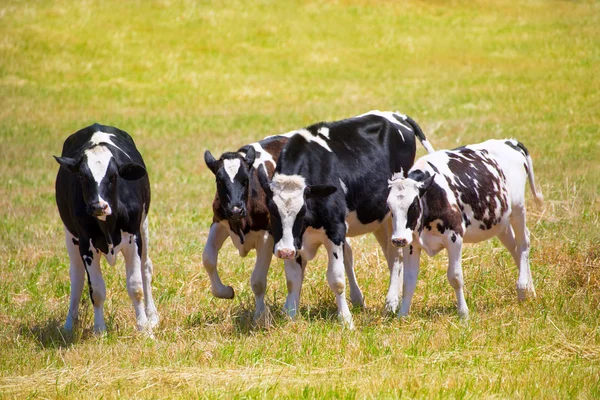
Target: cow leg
356 295
393 256
258 280
216 238
337 281
412 259
147 270
525 281
133 272
455 275
96 285
294 275
77 275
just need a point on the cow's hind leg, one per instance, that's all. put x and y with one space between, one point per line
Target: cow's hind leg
133 269
393 255
455 276
258 280
77 275
216 237
521 234
147 270
356 296
337 281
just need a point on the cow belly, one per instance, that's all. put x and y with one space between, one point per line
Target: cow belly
475 234
356 228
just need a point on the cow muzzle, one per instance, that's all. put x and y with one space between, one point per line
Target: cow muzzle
286 254
99 209
399 242
237 212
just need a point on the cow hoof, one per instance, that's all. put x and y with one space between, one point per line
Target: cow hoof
463 314
152 319
226 292
358 301
391 306
100 330
347 322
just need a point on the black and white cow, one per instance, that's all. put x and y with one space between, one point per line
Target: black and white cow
466 195
103 197
330 183
240 212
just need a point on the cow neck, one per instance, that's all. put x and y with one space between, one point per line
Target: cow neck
107 227
236 227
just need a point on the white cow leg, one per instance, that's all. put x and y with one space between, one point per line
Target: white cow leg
337 282
411 274
133 271
77 275
216 238
356 296
455 276
97 288
525 281
147 270
393 256
294 275
258 280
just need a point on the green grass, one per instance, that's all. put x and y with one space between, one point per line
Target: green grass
184 76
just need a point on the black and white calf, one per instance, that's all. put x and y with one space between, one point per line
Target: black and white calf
331 182
240 212
465 195
103 197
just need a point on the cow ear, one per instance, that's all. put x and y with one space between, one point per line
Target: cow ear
319 191
69 163
250 156
426 185
264 181
210 161
131 171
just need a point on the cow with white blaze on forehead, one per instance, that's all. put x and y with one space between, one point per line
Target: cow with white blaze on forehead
103 197
465 195
240 212
331 182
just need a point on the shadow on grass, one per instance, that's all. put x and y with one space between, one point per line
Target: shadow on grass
51 335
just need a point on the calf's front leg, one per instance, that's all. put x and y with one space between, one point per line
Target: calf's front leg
133 269
412 259
91 261
77 276
216 237
258 280
337 281
455 275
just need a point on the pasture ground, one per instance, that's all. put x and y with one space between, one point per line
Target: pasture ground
184 76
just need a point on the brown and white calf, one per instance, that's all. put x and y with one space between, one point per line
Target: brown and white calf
465 195
240 212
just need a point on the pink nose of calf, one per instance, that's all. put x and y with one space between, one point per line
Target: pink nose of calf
399 242
286 254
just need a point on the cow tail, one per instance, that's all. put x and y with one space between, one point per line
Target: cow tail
537 194
520 147
419 134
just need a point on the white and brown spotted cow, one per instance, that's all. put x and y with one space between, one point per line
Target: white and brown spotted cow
466 195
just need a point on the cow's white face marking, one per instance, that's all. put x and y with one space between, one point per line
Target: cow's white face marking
312 138
103 137
402 194
344 187
98 158
288 196
232 167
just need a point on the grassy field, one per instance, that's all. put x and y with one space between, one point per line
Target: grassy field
184 76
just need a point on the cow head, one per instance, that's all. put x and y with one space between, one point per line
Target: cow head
287 197
99 174
404 202
232 172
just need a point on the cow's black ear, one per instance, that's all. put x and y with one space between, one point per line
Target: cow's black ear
131 171
69 163
250 156
426 185
264 181
210 161
319 191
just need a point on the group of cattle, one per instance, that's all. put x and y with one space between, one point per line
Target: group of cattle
289 194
